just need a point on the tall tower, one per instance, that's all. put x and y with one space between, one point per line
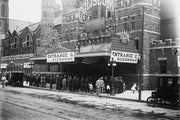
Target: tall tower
4 22
4 15
69 4
48 10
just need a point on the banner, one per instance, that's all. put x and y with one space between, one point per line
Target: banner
124 57
60 57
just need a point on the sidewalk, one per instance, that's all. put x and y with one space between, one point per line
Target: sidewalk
126 95
100 102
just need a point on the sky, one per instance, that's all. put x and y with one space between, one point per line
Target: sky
25 10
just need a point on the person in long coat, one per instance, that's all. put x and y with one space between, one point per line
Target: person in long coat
64 81
98 85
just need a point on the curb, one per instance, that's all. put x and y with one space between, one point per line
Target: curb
81 93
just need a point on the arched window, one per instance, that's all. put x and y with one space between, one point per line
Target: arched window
45 14
3 10
27 41
14 43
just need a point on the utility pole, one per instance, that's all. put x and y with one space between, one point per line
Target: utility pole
141 58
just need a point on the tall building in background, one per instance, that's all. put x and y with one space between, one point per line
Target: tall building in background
4 15
48 9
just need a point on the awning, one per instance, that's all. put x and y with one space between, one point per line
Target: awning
92 54
81 55
38 58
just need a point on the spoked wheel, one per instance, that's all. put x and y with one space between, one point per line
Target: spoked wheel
151 101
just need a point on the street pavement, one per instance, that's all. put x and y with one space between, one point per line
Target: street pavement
105 101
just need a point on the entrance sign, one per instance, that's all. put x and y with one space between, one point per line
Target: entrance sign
124 57
60 57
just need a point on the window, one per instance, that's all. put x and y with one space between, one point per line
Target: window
125 25
45 14
27 41
137 44
132 25
3 10
163 66
109 14
14 43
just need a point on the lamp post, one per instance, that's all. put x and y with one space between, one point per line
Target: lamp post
112 64
31 64
141 57
11 66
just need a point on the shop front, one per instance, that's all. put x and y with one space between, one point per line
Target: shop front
17 63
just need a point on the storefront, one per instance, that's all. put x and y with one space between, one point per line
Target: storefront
17 63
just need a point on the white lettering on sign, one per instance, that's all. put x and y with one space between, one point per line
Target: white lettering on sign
124 57
60 57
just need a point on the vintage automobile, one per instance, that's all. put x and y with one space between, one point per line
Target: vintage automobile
166 94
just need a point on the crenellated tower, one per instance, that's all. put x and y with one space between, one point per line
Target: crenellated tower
48 10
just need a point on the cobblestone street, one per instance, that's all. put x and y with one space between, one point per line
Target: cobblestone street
31 104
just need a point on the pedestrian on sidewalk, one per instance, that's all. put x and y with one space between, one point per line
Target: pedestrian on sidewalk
98 86
91 87
124 86
64 83
102 85
3 79
108 89
134 87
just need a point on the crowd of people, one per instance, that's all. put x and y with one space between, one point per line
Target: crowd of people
75 83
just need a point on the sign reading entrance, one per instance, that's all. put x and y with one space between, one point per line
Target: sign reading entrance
60 57
124 57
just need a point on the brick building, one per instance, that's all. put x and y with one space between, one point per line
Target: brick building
99 29
164 62
93 30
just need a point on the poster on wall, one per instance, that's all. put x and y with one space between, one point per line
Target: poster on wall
124 57
60 57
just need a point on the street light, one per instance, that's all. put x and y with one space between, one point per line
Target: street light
113 64
11 66
31 64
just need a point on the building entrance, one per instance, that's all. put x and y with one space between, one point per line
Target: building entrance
98 67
